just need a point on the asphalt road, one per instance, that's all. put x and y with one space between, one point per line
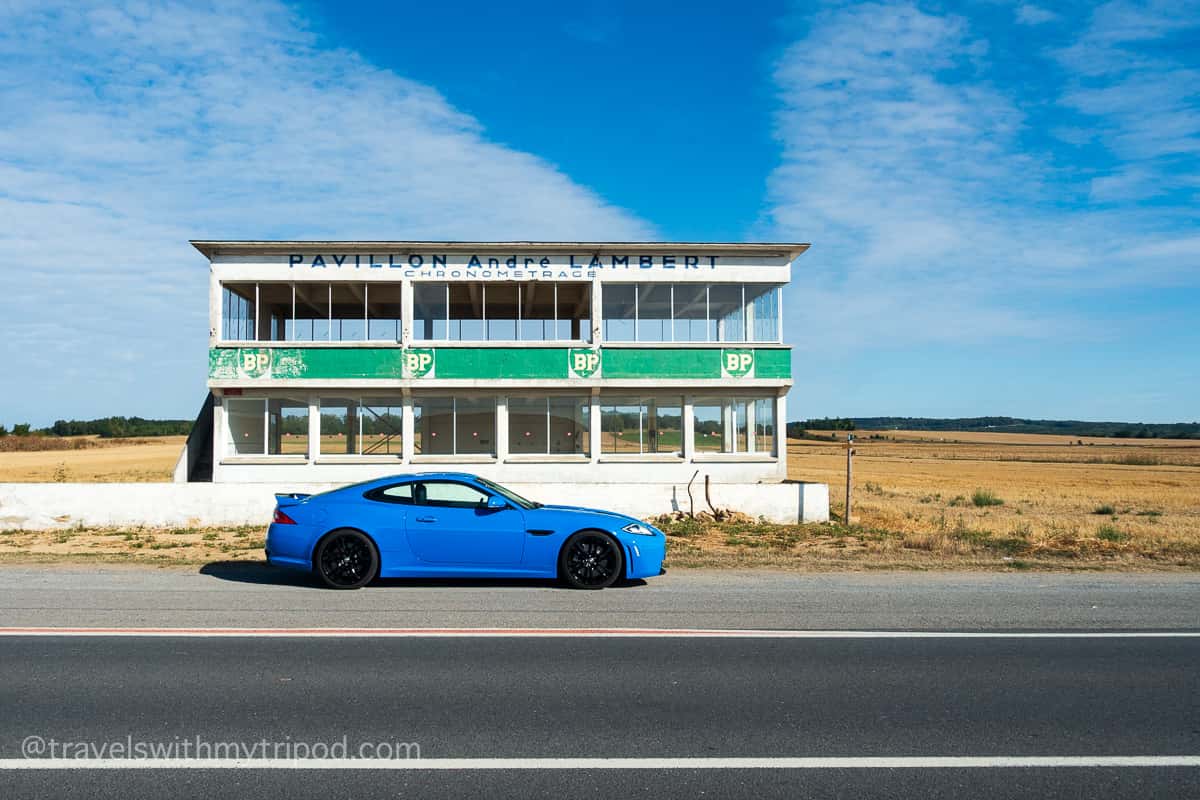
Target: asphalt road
247 595
582 697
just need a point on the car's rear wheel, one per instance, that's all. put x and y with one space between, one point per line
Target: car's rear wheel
346 559
590 560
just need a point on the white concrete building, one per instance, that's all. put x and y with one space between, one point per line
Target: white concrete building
525 362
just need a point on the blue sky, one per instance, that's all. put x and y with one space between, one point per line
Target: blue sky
1001 196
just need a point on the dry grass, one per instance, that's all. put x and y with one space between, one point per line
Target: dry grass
922 501
1030 498
102 460
150 546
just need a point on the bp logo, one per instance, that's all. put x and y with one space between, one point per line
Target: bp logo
418 363
254 363
737 363
583 363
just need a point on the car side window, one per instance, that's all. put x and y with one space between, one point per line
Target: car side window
450 494
400 493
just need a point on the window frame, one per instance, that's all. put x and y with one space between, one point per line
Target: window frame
423 484
580 400
419 399
585 322
289 335
380 495
642 401
361 403
728 418
229 446
713 329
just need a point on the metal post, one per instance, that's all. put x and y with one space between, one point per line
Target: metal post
849 471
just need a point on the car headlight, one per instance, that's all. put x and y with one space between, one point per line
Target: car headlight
639 529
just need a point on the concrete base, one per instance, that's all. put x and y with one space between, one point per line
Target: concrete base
47 506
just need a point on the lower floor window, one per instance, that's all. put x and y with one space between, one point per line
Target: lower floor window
368 426
733 425
266 426
536 425
549 425
448 426
764 425
641 425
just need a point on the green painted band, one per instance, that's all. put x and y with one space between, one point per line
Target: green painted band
483 363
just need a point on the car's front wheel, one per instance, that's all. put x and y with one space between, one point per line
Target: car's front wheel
346 559
590 560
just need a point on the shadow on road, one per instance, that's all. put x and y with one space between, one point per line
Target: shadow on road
261 572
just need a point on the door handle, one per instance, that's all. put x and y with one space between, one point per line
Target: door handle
426 519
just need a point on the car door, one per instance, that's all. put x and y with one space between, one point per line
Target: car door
383 516
450 523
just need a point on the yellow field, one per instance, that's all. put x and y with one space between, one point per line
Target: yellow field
1111 496
115 460
921 500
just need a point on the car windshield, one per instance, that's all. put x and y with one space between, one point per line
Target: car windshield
508 493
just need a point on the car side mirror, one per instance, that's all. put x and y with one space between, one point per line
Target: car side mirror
495 502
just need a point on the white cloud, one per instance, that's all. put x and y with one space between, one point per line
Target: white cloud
1029 14
933 220
130 128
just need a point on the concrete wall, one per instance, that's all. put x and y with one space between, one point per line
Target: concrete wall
43 506
665 471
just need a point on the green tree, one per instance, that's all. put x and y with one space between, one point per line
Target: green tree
21 429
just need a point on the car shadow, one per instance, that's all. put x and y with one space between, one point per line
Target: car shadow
260 572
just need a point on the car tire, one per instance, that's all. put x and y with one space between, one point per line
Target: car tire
591 560
346 559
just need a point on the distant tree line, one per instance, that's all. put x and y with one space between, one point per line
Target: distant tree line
117 427
1121 430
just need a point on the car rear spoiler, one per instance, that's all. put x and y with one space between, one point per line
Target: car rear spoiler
290 498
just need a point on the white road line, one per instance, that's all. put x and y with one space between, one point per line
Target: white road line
602 633
904 762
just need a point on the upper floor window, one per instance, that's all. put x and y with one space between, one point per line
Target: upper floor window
311 312
238 306
504 312
687 312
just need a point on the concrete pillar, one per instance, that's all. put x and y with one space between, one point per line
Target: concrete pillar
594 431
750 443
781 433
314 427
218 433
214 308
351 430
727 425
406 312
781 424
407 428
689 429
597 313
501 428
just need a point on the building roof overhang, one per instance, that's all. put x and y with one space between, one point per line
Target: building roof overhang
212 248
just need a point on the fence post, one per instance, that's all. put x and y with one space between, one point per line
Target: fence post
849 471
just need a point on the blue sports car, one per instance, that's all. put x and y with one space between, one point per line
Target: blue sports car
451 524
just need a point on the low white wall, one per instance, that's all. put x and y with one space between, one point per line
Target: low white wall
42 506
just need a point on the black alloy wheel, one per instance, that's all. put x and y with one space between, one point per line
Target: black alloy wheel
346 560
590 560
